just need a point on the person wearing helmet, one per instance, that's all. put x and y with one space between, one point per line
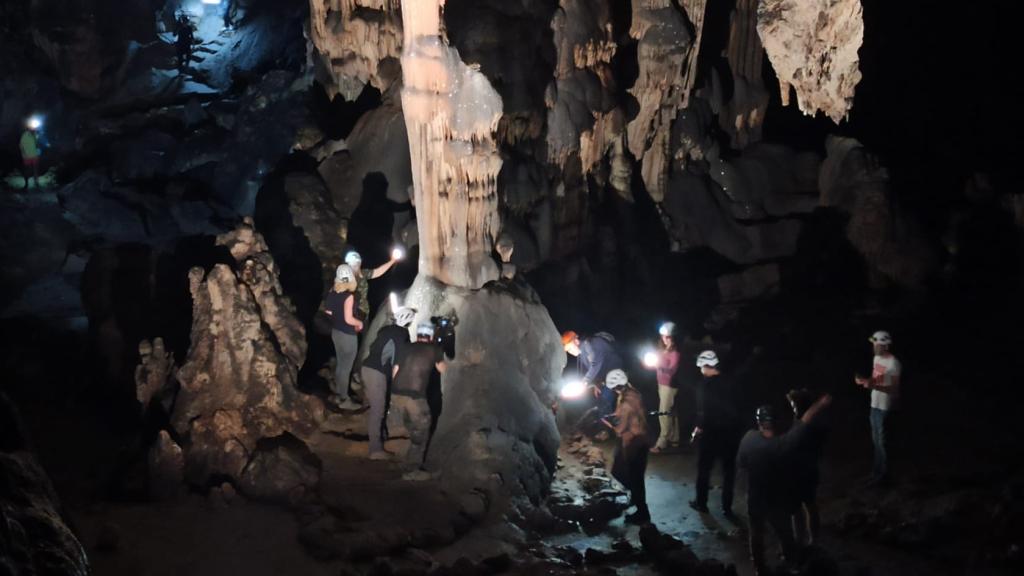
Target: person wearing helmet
665 370
378 369
768 460
630 458
413 371
29 146
355 261
884 384
596 357
716 431
340 307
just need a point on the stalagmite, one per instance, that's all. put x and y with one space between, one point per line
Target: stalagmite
451 113
813 45
355 39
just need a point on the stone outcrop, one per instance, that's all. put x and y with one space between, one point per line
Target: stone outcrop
166 467
852 180
238 383
451 114
813 45
496 434
154 372
34 538
356 42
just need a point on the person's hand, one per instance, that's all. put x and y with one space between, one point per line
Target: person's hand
607 423
359 325
861 381
595 391
697 431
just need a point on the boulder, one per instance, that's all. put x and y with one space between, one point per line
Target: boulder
496 434
283 469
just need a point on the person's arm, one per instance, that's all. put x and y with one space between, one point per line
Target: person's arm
594 361
699 414
816 408
441 366
394 372
880 385
382 269
350 318
624 416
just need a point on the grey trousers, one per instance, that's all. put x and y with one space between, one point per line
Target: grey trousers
415 414
346 346
375 389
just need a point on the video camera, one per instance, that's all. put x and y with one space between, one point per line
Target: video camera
444 333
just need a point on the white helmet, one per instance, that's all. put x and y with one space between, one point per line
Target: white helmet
616 378
881 337
353 258
667 329
425 329
404 316
707 358
344 273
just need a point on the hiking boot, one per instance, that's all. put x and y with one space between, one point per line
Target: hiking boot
382 455
348 404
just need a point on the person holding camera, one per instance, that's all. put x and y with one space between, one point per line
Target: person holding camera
409 394
630 459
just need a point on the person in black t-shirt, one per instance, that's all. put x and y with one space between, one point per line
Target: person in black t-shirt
409 394
340 305
768 459
378 369
717 432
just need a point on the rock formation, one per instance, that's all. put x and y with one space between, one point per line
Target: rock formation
154 372
813 48
35 538
496 434
238 383
357 42
451 113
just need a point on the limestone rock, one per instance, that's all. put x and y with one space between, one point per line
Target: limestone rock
754 282
813 46
496 434
238 383
378 143
166 464
35 539
282 469
451 114
356 42
313 212
852 180
664 42
154 372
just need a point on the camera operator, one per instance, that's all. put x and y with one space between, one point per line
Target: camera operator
444 333
420 361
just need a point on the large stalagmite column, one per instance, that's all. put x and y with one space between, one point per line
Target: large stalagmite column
451 112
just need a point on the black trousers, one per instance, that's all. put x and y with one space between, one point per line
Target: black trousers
629 468
716 445
779 519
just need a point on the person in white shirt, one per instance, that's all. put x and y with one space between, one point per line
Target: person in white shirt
884 384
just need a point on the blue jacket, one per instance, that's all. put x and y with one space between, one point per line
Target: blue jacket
598 357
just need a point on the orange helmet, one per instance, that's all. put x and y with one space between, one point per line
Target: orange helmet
568 337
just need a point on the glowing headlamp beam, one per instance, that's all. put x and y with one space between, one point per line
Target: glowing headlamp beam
573 389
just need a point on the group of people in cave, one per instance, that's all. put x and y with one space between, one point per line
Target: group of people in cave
781 466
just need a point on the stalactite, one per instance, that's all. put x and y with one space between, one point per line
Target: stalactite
452 113
664 44
743 116
813 45
352 45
